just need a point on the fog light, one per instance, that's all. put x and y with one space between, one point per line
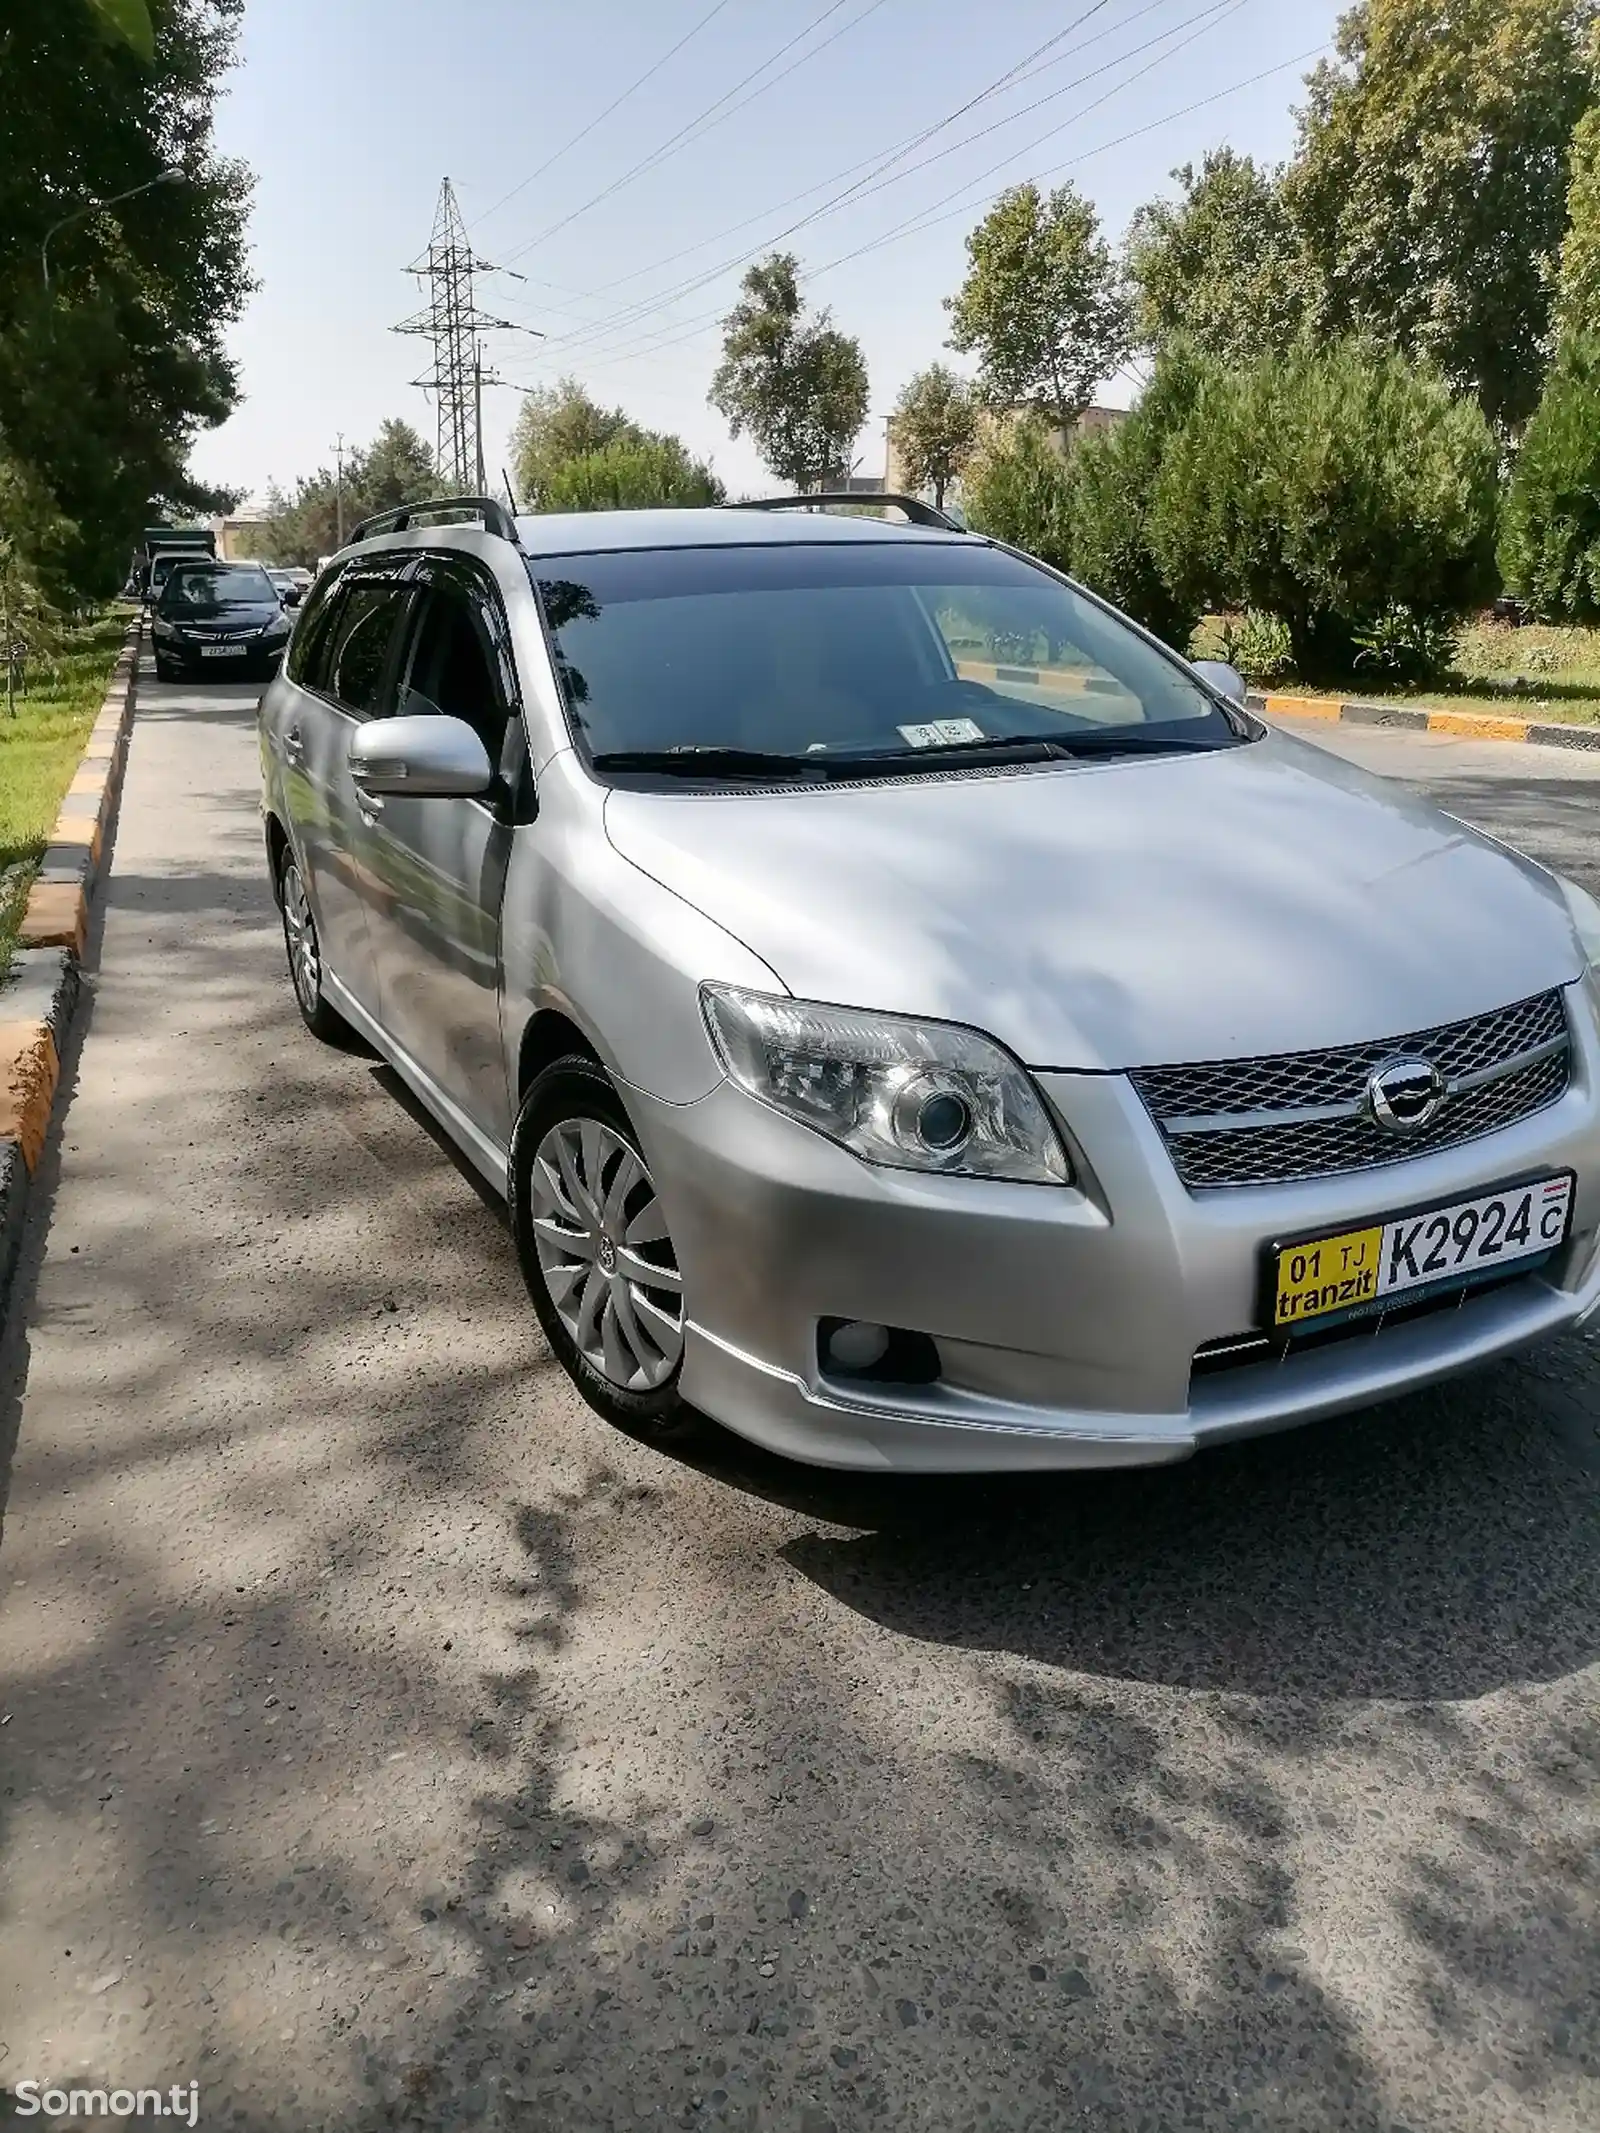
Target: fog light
855 1345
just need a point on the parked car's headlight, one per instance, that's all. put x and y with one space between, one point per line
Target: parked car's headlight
160 627
919 1095
1585 913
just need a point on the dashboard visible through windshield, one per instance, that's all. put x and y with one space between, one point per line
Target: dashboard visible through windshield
820 660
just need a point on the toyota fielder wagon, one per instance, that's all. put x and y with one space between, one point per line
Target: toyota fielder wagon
915 1017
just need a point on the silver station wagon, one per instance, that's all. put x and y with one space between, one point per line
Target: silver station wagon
916 1018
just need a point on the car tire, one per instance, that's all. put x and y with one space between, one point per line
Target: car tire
590 1245
167 669
303 948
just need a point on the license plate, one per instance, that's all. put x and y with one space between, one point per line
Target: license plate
223 651
1363 1270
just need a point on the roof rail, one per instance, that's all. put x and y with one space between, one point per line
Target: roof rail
494 516
917 512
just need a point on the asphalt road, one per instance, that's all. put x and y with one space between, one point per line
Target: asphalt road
386 1741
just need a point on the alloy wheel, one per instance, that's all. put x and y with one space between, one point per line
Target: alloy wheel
605 1254
300 937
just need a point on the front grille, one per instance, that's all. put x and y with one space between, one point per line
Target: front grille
1216 1118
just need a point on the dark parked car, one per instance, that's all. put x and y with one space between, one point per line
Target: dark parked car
224 619
292 584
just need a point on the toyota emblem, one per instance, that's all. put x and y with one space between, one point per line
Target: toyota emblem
1404 1095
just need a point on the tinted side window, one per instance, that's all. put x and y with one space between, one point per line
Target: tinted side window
313 631
359 659
453 668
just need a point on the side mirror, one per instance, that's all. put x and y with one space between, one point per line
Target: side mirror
432 758
293 595
1226 680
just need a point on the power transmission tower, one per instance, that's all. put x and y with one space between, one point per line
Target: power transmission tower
452 321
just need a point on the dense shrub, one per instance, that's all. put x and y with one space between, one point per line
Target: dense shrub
1018 489
1325 487
1550 537
1113 478
1258 645
631 474
1404 647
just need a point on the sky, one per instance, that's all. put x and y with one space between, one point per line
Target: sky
352 112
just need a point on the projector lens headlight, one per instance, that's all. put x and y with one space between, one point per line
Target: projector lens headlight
915 1095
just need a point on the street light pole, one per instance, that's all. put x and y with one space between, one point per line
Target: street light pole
92 207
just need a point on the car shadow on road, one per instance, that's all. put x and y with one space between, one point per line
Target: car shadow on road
1323 1566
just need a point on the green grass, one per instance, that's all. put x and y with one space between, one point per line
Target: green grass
39 751
1539 672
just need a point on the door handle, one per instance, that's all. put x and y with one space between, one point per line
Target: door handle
293 746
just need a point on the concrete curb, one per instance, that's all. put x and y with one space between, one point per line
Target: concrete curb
36 1002
1465 725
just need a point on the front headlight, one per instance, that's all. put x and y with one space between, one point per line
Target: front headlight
160 627
918 1095
1585 914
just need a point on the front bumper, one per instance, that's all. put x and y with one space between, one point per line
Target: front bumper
1066 1321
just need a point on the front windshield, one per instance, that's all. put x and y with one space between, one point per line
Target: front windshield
837 653
192 589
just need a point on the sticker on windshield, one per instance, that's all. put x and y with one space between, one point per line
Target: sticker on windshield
942 733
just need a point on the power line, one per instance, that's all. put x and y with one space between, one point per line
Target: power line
697 327
929 217
705 120
1023 68
643 309
1207 18
616 104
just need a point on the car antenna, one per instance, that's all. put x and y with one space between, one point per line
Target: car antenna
511 494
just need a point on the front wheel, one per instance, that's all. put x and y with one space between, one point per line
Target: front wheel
167 669
304 951
595 1249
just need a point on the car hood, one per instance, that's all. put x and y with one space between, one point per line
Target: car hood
1265 898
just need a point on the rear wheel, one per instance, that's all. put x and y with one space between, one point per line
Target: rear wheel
595 1249
304 951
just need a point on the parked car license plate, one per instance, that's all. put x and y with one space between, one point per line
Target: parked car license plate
1360 1270
223 651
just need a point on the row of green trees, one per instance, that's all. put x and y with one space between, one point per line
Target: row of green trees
1376 370
308 522
121 267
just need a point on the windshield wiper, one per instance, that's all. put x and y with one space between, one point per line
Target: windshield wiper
693 761
709 762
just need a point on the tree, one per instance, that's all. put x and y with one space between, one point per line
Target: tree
1430 184
396 468
106 376
795 383
1018 490
559 424
1578 282
935 429
1221 267
1550 534
631 474
1042 306
1325 487
1114 478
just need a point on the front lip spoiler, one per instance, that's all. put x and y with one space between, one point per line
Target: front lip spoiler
820 1423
